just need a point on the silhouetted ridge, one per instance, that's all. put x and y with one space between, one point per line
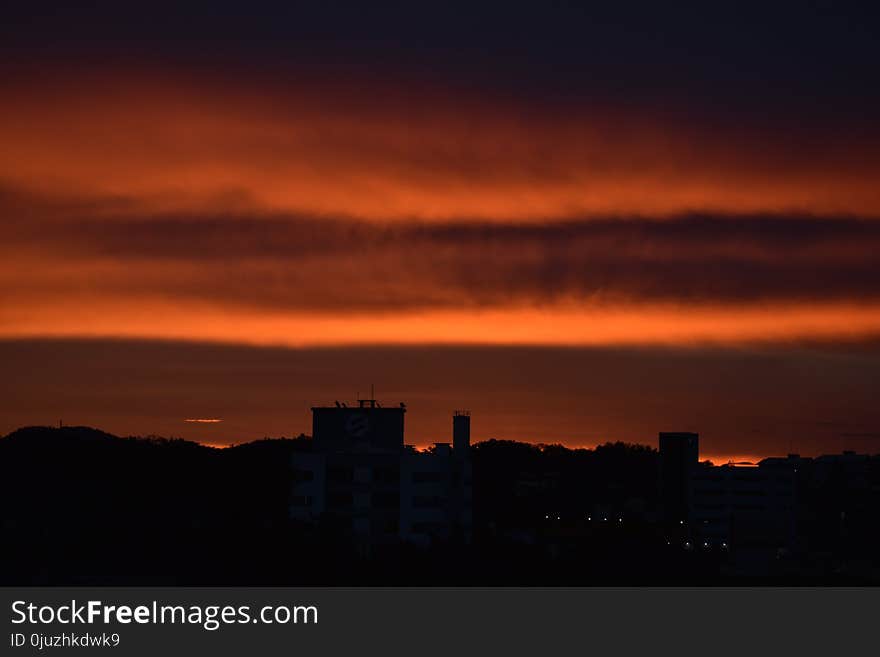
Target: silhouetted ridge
57 434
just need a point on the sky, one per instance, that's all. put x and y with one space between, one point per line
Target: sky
583 224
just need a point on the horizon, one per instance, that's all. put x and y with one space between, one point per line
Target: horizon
744 403
734 460
715 459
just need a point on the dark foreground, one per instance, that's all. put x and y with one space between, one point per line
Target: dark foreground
78 506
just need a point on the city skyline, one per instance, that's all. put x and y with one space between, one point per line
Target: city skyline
746 404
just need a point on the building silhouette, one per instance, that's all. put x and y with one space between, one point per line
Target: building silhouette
750 509
361 477
747 509
542 514
679 457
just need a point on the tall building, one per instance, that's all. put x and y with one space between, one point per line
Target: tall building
461 431
362 476
679 457
365 427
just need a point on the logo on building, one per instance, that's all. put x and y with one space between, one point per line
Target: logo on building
357 425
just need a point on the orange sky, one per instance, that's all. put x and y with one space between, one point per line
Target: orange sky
154 206
153 148
560 325
745 400
164 143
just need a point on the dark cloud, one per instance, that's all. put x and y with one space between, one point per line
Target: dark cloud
729 56
305 263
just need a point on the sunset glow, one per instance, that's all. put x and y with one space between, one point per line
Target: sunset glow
222 185
526 187
167 144
572 325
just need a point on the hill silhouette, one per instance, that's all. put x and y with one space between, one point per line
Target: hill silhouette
79 504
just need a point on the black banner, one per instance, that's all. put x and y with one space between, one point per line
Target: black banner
392 621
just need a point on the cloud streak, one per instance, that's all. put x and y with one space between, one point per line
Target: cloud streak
315 149
294 264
